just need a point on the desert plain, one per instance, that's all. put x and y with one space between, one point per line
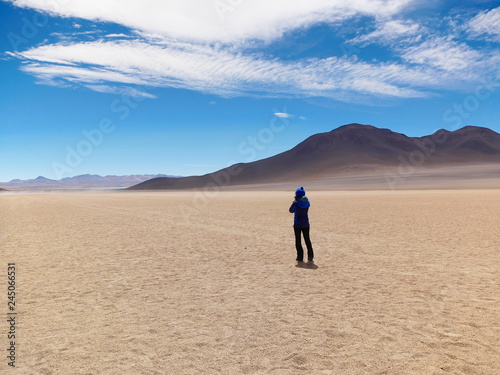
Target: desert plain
404 282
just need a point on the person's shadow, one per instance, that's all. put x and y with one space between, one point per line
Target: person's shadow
309 265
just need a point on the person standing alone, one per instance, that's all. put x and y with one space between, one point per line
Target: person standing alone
301 226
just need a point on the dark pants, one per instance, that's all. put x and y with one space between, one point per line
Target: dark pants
298 243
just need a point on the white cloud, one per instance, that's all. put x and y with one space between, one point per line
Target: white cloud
443 53
389 31
215 70
121 35
53 72
283 115
486 23
435 64
200 20
188 45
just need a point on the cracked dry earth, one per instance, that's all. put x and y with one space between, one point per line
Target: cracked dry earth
405 282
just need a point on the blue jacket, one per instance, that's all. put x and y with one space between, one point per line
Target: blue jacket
300 208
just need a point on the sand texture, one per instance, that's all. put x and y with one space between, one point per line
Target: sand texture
406 282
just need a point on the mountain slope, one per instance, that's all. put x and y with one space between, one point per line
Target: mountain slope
349 149
79 182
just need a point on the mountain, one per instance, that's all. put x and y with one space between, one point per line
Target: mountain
349 149
470 142
85 181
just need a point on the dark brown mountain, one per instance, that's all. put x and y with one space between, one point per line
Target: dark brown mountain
469 143
350 149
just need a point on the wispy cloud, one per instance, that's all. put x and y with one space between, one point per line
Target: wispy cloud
486 24
283 115
286 115
199 20
389 31
217 71
85 75
444 54
121 35
224 72
187 45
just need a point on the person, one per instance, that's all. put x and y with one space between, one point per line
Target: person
301 226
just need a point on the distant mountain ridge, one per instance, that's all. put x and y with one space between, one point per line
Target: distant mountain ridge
349 149
84 181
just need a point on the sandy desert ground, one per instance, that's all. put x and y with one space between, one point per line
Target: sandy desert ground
405 282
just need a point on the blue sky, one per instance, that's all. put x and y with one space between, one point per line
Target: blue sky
183 88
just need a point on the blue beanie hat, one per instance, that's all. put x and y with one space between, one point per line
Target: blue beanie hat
300 192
